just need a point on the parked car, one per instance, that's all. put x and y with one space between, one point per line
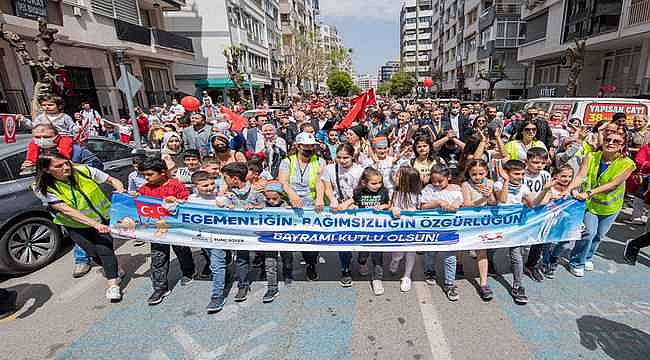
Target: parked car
28 238
508 107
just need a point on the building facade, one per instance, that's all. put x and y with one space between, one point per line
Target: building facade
617 35
458 41
297 18
387 71
89 33
366 81
216 25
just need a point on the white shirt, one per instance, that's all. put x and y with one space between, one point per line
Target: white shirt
453 119
516 199
535 183
452 194
348 179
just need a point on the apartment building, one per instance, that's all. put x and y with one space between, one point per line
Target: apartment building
416 33
457 40
617 35
215 25
89 33
366 81
387 71
297 17
330 39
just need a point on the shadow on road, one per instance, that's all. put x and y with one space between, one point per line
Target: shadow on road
32 295
618 341
614 251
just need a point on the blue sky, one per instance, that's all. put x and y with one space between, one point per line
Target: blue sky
369 27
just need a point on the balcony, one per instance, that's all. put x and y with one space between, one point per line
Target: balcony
142 35
639 13
487 18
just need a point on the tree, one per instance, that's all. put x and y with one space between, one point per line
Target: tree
299 59
575 59
384 88
340 83
497 74
401 84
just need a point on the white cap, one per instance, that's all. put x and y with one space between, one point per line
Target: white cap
305 139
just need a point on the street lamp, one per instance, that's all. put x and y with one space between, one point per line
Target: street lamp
120 59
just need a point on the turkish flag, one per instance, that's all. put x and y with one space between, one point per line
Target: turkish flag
9 124
371 100
154 211
358 107
237 122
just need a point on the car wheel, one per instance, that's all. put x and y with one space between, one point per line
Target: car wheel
30 244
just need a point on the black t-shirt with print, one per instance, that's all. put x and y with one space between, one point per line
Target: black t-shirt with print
365 199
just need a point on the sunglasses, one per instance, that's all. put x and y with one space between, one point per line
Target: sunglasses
614 141
532 129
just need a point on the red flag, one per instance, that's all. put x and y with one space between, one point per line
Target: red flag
9 124
371 98
237 122
358 106
151 211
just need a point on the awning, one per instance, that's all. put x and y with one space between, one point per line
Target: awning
221 83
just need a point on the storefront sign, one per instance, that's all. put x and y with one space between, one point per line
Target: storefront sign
9 125
31 9
596 112
549 91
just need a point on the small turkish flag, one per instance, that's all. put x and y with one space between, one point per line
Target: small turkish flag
153 211
237 122
9 124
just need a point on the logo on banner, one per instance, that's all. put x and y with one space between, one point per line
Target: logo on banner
9 123
151 211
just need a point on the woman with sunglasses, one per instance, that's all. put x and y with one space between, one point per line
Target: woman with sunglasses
525 139
602 176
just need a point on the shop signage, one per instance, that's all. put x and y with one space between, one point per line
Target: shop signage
31 9
549 91
598 111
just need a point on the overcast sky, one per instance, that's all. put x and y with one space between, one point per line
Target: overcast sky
369 27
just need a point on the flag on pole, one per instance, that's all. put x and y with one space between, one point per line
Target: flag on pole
237 122
359 106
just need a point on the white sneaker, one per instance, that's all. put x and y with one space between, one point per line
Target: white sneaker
113 293
405 285
394 264
576 272
377 287
589 266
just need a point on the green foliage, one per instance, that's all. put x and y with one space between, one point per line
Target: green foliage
401 84
340 83
356 90
384 88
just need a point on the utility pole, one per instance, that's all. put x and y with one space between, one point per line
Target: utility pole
417 48
120 55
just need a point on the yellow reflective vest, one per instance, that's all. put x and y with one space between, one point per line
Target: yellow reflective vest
611 202
313 173
82 194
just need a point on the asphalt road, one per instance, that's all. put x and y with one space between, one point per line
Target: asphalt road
605 315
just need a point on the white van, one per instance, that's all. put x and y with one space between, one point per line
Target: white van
592 110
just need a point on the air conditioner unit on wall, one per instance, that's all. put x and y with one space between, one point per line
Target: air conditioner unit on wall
76 11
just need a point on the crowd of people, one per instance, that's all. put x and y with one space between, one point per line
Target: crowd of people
398 156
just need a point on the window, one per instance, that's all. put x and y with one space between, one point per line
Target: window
14 162
5 175
107 150
157 85
535 28
507 34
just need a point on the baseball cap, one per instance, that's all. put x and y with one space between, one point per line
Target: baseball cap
305 139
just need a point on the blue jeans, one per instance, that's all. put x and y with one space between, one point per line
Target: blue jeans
553 251
345 258
449 269
80 256
596 227
218 269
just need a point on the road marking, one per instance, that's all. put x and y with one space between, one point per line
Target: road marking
157 354
262 329
255 352
432 325
80 287
191 347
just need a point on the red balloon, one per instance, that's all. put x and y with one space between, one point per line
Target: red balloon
190 103
427 83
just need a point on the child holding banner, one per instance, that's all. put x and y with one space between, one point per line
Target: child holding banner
204 193
160 185
478 191
448 197
510 190
405 198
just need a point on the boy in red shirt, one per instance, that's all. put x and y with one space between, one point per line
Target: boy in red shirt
160 185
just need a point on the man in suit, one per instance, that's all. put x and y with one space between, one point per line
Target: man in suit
456 121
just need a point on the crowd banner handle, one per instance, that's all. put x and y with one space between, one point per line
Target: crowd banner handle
286 229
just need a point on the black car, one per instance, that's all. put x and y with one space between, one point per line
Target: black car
28 238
